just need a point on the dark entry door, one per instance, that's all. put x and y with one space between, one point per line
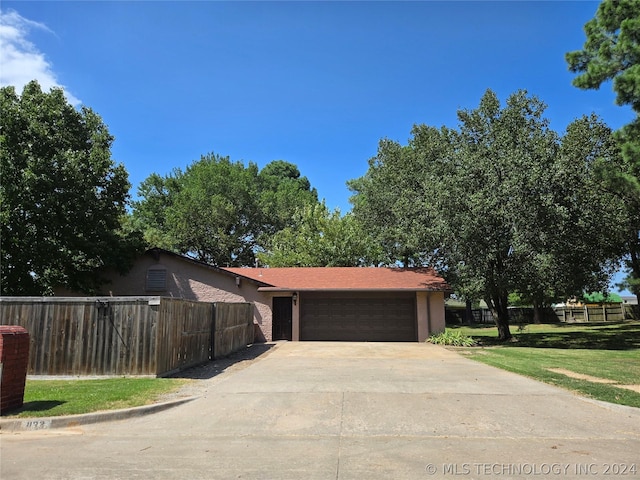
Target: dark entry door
282 315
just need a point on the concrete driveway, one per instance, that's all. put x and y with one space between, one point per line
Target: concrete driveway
348 411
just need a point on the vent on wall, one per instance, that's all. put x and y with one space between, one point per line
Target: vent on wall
156 279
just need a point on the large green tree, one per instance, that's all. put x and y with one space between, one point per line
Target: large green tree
214 212
282 191
574 202
389 200
494 205
612 53
149 217
321 238
62 197
220 211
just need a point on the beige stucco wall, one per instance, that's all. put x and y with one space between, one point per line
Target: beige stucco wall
295 320
436 312
422 315
429 314
194 282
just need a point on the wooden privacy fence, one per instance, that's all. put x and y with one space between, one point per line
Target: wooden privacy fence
233 328
126 335
611 312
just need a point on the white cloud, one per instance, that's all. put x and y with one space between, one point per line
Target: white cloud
20 60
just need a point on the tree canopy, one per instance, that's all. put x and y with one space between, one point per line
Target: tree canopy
62 197
320 238
612 53
218 210
500 205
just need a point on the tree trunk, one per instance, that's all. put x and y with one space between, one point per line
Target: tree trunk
468 313
537 313
634 263
504 333
498 305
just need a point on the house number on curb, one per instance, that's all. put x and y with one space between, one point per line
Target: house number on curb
36 424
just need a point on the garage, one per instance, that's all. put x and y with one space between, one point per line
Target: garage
358 316
356 304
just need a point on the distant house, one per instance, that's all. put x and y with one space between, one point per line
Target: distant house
319 303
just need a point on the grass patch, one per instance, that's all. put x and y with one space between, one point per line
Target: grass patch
620 367
600 336
604 351
49 398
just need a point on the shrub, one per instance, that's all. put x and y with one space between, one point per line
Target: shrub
452 337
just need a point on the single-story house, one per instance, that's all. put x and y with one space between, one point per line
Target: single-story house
300 303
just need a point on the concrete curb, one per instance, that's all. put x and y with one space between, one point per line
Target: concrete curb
46 423
615 407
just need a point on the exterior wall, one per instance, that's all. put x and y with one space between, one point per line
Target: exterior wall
191 281
436 312
295 320
430 314
422 315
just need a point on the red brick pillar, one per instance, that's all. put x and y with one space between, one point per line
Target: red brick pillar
14 360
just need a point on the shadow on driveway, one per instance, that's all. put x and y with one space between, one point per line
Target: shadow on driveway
240 359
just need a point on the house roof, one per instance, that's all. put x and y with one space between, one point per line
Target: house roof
343 278
329 278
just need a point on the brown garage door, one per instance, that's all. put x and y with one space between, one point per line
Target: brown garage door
364 317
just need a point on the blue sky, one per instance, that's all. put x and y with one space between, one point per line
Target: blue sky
317 84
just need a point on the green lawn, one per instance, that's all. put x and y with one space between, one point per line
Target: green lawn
44 398
606 352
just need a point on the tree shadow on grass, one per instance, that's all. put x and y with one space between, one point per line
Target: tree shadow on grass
593 336
36 406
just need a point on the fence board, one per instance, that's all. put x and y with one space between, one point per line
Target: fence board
184 334
233 327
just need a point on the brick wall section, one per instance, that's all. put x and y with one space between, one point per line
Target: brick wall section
14 357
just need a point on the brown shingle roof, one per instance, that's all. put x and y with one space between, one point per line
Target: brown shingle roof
345 278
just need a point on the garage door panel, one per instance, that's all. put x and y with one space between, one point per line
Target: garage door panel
364 317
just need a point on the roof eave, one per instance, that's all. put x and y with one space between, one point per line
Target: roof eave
156 251
304 289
